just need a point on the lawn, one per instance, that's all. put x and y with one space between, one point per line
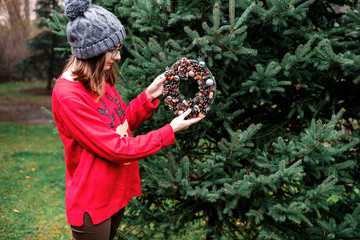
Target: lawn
22 101
32 183
31 169
31 92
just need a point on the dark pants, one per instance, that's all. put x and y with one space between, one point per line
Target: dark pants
102 231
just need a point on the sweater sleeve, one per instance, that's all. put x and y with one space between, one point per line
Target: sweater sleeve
139 109
85 125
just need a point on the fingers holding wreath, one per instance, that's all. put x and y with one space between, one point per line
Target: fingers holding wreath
155 89
179 123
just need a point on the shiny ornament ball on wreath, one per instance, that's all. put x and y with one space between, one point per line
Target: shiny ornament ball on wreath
189 70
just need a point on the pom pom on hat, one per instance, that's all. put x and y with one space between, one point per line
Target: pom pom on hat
75 8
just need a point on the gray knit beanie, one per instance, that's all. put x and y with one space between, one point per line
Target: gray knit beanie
92 29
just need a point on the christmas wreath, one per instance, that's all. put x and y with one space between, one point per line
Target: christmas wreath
189 70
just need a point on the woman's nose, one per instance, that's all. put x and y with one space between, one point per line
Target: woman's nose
117 56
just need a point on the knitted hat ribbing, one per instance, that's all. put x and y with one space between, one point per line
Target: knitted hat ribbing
92 30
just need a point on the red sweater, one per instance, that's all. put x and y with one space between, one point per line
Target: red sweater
102 172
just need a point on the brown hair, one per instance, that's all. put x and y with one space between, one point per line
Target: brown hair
90 72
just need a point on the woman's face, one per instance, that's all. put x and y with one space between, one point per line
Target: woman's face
111 56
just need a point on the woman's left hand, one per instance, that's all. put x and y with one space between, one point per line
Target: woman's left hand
156 87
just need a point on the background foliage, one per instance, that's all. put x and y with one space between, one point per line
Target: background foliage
278 155
45 62
15 27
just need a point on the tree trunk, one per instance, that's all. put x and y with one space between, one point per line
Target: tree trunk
51 64
212 223
27 12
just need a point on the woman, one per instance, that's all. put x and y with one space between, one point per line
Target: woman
102 173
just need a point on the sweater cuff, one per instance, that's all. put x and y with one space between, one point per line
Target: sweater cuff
167 135
146 102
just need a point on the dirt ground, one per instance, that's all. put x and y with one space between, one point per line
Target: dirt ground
26 108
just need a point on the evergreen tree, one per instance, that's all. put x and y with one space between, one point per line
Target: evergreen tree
45 62
277 157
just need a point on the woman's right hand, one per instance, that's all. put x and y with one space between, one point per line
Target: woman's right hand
179 123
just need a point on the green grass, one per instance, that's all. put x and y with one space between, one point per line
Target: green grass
14 87
14 92
32 183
